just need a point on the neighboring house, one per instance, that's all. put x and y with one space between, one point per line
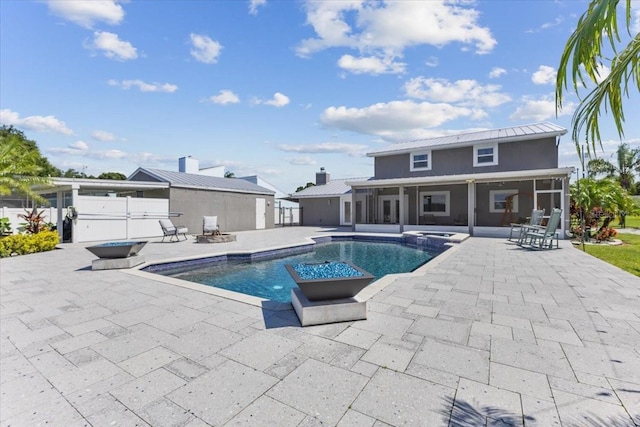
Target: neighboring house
476 182
238 204
327 203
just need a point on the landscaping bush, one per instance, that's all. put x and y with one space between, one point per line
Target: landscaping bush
20 244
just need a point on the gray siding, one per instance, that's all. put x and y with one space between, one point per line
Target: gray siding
539 154
318 212
486 218
235 211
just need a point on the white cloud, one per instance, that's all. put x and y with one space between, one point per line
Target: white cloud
545 26
603 73
300 161
370 65
254 5
79 145
85 152
278 100
204 49
34 123
325 148
540 109
112 47
143 86
87 12
497 72
393 121
390 27
636 17
225 97
463 92
102 135
432 61
544 76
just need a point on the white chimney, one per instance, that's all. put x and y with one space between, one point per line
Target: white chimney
188 165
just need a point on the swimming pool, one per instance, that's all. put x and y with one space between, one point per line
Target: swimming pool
265 275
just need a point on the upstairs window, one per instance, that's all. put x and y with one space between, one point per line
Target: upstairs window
485 155
421 161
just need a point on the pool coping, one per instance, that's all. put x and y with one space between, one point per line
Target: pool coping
367 293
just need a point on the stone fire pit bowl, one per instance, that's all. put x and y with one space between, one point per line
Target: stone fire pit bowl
114 255
329 280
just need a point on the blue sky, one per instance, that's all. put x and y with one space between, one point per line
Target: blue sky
279 88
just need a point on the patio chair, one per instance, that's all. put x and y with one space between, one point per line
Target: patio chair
210 225
534 220
168 229
542 237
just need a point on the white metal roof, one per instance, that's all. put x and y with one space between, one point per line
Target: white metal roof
334 188
510 134
66 184
204 182
459 179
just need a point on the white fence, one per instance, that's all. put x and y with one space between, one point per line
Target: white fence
107 218
112 218
287 216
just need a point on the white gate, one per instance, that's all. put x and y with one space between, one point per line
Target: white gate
118 218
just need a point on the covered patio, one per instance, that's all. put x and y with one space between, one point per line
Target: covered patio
478 204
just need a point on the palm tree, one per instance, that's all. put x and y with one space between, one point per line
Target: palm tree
583 59
19 169
628 164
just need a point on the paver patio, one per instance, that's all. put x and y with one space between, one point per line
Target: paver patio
489 334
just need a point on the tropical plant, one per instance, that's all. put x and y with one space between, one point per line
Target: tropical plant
5 226
593 199
583 60
35 221
19 168
628 162
44 167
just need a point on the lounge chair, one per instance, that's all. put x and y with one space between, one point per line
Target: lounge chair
542 237
534 220
168 229
210 225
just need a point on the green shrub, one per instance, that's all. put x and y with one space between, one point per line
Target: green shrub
20 244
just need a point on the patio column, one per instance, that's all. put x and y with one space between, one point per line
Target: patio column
74 201
471 204
353 209
566 203
60 220
402 207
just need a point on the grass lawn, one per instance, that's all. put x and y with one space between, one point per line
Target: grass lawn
625 256
631 222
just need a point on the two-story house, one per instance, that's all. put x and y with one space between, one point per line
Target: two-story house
475 182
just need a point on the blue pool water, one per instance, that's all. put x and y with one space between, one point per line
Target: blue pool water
269 278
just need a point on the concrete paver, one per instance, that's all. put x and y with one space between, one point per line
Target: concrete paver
489 334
